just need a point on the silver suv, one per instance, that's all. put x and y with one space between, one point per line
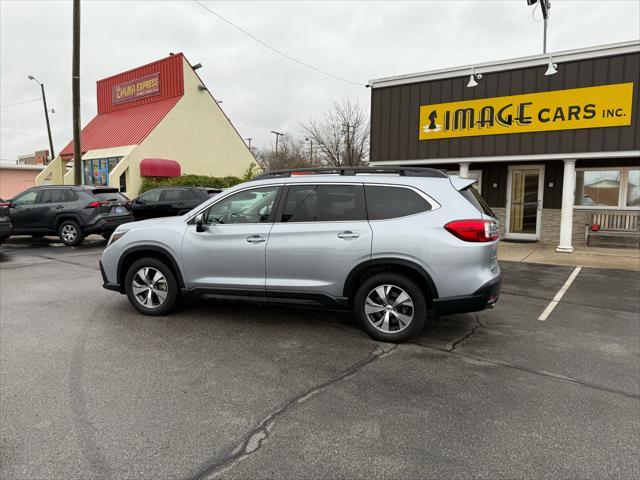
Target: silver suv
388 243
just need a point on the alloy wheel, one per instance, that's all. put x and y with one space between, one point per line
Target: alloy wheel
389 308
69 233
149 287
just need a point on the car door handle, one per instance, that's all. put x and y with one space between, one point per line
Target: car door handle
59 207
348 234
256 239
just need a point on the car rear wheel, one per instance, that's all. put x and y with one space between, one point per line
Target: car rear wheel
70 233
390 307
151 287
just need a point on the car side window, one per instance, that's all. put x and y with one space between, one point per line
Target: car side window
151 195
393 202
248 206
69 196
324 203
173 195
51 195
28 198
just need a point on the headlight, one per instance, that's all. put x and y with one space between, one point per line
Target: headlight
115 236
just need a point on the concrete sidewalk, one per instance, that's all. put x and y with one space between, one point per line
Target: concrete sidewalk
599 257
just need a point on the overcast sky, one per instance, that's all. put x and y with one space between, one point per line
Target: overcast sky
260 90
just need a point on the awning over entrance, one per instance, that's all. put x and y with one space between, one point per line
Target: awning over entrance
159 167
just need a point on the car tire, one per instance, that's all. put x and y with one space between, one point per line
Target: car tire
390 307
70 233
138 283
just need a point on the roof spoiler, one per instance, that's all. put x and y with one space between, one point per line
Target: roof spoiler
460 183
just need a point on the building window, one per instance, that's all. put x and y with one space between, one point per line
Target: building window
633 188
608 188
96 170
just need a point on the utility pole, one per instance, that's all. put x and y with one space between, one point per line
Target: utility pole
310 140
278 135
349 129
46 114
75 92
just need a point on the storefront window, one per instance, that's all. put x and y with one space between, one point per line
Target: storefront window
633 188
597 188
96 170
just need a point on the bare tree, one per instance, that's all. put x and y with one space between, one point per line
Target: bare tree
291 154
341 137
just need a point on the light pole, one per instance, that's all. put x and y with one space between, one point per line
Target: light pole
278 135
46 113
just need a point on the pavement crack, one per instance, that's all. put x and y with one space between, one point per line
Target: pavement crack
254 440
467 335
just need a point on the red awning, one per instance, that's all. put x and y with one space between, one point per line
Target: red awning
159 167
122 127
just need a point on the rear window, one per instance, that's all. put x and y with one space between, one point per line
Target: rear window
393 202
474 198
111 197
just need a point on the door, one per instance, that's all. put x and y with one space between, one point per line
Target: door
229 255
172 200
322 233
23 210
524 201
146 205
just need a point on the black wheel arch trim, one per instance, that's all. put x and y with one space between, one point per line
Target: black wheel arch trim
149 248
61 217
358 269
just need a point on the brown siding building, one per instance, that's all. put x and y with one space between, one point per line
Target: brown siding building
537 132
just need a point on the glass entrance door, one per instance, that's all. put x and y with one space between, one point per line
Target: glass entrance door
524 202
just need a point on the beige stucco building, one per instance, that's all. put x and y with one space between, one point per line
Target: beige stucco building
154 120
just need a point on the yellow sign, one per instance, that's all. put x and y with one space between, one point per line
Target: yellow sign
589 107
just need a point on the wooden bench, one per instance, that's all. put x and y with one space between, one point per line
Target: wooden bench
621 226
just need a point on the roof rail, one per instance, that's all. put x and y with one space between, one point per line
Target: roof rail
345 171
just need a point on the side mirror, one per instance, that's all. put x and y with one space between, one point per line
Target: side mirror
200 223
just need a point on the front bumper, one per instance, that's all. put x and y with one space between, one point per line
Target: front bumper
108 224
105 281
483 298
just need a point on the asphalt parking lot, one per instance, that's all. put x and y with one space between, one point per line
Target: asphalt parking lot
91 389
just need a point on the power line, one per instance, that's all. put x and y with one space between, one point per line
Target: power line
13 132
275 50
21 103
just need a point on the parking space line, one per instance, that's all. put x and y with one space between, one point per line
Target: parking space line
552 304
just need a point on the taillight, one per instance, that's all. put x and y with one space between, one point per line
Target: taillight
4 205
474 230
97 204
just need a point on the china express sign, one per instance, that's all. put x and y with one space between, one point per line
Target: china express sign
589 107
136 89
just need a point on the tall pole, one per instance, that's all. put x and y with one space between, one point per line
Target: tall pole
347 129
75 91
46 116
278 135
544 38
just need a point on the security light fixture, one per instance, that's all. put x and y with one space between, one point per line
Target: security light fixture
196 66
202 88
552 67
473 77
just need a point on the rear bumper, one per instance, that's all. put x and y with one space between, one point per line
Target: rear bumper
105 282
108 224
483 298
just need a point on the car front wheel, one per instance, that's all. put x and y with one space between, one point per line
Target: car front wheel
390 307
70 233
151 287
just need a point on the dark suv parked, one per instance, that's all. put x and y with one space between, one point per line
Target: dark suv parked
169 201
71 212
5 221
